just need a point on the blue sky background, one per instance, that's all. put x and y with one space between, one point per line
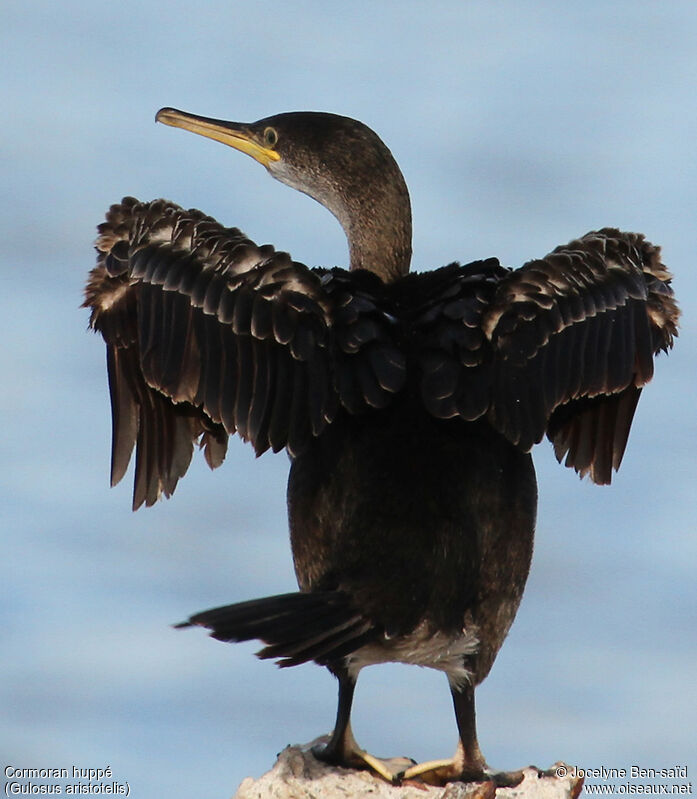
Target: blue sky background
518 125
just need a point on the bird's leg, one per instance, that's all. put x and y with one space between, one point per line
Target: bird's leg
338 750
467 764
342 749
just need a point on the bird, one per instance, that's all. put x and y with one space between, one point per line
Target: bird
408 403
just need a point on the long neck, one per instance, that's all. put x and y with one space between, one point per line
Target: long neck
377 221
368 195
351 172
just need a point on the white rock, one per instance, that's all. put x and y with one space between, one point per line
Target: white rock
299 775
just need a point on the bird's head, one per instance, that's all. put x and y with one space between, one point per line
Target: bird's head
337 161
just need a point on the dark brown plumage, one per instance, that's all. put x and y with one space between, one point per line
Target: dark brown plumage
408 404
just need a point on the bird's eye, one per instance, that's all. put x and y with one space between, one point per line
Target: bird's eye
270 137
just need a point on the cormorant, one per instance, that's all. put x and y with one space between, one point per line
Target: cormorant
408 404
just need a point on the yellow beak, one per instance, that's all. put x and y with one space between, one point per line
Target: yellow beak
231 133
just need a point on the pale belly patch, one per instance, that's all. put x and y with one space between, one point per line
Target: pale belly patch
422 647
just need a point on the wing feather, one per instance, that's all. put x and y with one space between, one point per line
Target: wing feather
245 383
208 334
257 425
447 310
584 324
279 421
560 347
125 415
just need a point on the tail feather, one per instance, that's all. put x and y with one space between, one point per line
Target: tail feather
325 647
322 626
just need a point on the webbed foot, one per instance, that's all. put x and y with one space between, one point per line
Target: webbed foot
350 755
441 772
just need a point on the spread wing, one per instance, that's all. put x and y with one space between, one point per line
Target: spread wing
208 334
561 346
